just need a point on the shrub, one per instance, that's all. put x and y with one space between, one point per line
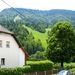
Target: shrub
9 71
15 71
25 69
73 70
34 66
41 65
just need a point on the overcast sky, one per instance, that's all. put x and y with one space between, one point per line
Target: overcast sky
39 4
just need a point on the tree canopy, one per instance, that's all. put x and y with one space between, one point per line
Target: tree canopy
61 42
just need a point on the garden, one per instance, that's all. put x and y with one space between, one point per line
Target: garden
34 66
46 67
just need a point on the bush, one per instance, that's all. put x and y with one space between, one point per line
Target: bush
73 70
15 71
41 65
34 66
10 71
25 69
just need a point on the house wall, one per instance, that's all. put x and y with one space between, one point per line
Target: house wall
14 56
21 58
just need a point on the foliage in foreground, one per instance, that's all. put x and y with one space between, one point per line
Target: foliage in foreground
73 70
33 67
61 43
14 71
41 65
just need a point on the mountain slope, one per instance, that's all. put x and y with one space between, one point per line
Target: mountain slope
37 35
46 17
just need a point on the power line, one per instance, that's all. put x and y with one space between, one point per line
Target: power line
14 9
20 12
11 3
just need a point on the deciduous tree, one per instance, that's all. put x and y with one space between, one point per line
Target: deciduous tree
61 43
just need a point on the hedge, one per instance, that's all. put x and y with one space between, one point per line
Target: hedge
15 71
41 65
33 67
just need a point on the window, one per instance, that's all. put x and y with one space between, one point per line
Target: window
7 44
0 43
2 61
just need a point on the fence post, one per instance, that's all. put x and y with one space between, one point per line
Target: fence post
41 73
35 73
45 72
51 72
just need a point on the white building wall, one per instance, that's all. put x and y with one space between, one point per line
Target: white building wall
13 54
21 58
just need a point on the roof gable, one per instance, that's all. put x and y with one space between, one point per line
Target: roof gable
6 31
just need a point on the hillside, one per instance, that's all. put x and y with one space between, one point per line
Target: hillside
34 20
31 25
38 35
47 18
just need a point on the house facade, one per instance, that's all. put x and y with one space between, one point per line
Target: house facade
11 52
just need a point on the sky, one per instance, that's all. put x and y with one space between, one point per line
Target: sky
39 4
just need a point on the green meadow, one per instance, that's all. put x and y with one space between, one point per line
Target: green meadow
37 35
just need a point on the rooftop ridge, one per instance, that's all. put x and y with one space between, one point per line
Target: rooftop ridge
4 30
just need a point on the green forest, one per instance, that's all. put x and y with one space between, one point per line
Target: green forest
31 27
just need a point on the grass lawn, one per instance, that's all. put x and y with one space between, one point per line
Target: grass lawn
69 64
65 64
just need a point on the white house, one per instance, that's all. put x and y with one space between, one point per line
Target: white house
11 52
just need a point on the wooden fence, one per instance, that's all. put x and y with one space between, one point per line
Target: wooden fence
49 72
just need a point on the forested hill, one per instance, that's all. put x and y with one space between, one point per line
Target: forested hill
25 23
47 18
